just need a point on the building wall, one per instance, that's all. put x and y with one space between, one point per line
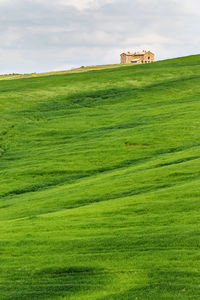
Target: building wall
123 58
148 57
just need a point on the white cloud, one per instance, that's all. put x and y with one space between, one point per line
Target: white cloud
79 4
82 4
191 7
39 35
5 2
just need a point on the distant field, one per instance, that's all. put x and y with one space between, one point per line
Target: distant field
100 184
77 70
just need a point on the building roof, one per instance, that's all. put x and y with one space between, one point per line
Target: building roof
136 53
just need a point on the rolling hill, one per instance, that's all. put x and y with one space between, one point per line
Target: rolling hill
100 184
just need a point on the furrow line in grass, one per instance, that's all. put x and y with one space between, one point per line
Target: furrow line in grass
123 195
136 192
127 164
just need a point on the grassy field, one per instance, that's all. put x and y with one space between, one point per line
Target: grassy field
100 184
72 71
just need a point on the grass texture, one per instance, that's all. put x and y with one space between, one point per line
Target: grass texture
100 184
72 71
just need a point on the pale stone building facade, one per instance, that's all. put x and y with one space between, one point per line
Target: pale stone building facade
142 57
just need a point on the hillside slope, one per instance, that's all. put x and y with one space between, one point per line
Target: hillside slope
72 71
100 184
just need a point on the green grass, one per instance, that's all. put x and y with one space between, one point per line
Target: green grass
100 184
72 71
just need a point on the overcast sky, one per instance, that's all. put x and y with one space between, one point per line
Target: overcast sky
43 35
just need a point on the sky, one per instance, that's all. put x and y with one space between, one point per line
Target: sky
49 35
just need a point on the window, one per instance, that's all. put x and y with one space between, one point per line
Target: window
145 62
149 58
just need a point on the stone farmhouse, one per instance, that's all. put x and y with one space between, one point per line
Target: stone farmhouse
141 57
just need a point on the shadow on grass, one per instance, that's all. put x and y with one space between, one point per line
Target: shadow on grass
65 105
52 282
163 285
